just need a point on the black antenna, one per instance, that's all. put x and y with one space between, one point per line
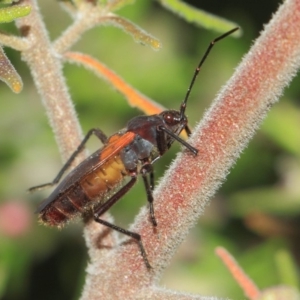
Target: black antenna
211 44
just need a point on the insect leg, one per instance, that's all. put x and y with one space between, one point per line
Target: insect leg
187 130
104 207
95 131
160 141
151 180
145 170
131 234
177 138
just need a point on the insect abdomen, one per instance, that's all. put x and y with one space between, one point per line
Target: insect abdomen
88 192
103 179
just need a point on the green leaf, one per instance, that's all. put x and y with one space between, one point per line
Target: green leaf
199 17
8 14
7 1
287 268
139 35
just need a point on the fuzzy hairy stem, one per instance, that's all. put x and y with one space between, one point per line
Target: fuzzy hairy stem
191 181
88 17
13 42
46 71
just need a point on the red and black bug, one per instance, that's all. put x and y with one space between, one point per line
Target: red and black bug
100 180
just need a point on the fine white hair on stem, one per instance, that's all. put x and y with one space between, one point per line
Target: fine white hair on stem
221 136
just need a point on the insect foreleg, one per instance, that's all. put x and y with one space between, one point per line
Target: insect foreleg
177 138
148 169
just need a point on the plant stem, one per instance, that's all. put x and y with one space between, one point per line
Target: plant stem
190 182
46 70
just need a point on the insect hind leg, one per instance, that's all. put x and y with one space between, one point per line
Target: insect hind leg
98 133
101 209
131 234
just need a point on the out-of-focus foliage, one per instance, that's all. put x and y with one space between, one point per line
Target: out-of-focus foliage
199 17
256 213
10 13
8 74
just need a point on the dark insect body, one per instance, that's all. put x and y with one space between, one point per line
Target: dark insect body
105 176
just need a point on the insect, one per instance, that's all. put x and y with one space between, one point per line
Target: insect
104 177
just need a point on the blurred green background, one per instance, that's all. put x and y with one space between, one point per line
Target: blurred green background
255 215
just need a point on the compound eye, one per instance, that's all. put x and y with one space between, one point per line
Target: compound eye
169 118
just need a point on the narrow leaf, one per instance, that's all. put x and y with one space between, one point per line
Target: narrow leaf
8 74
287 269
134 98
135 31
8 14
249 288
7 1
199 17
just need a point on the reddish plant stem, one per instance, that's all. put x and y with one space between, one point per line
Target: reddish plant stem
191 181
